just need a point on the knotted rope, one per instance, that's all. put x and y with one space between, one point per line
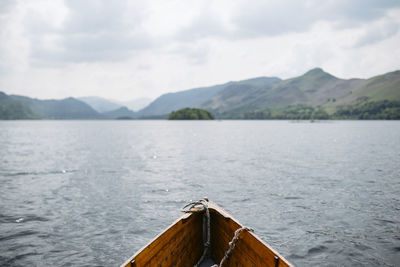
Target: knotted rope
232 245
201 206
196 207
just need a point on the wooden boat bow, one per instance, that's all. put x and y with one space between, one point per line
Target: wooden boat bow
182 243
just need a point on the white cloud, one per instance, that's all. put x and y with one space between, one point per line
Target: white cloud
126 49
379 31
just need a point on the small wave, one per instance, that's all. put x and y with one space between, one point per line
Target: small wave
302 207
7 218
316 250
292 198
17 235
19 219
35 173
159 190
385 221
21 256
241 200
8 262
295 256
18 247
138 231
28 218
11 174
362 247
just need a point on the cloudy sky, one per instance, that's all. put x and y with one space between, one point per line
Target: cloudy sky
128 49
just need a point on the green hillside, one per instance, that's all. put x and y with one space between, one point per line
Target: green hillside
195 97
382 87
174 101
22 107
316 94
314 88
68 108
120 113
239 95
11 109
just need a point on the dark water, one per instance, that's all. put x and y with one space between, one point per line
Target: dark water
90 193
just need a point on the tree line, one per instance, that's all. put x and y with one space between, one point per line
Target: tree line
373 110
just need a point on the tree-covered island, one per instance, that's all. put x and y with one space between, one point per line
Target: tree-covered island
190 114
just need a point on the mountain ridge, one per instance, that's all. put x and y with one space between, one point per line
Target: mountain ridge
314 88
67 108
120 113
100 104
194 98
314 92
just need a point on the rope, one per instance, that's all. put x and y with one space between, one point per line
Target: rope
232 245
201 206
196 207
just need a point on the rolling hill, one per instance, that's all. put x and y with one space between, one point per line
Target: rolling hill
135 104
30 108
100 104
103 105
315 94
120 113
11 109
315 90
68 108
193 97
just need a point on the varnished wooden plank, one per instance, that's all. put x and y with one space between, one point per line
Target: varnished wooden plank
189 255
154 249
181 244
242 250
181 247
162 255
180 238
144 255
250 247
257 245
241 254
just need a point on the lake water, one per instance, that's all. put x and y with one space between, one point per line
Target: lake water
91 193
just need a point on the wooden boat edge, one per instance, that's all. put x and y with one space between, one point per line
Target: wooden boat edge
182 218
213 207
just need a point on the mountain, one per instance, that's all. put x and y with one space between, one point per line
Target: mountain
193 97
315 92
12 109
381 87
104 105
100 104
240 94
174 101
135 104
313 88
68 108
120 113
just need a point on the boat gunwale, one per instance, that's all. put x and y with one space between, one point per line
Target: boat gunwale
225 214
213 207
182 218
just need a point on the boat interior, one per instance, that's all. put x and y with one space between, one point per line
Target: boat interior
182 244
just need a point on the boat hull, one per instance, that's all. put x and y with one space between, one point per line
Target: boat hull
181 244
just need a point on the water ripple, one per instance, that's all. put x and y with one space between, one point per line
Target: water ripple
91 193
